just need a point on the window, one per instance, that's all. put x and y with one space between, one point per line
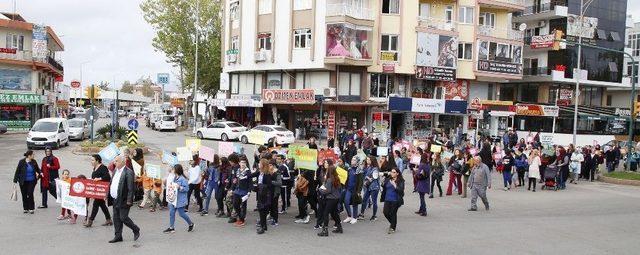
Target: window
301 5
264 41
15 42
609 100
300 79
274 80
302 38
391 6
487 19
264 6
234 10
389 43
257 86
615 36
425 10
448 13
349 84
235 43
235 85
465 51
381 85
602 35
465 15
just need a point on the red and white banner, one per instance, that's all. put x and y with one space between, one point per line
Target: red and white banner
89 188
537 110
542 41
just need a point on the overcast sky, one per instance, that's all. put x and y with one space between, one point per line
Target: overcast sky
111 34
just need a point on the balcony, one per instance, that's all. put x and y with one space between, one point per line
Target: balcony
501 33
547 11
428 23
347 12
26 58
55 63
537 71
509 5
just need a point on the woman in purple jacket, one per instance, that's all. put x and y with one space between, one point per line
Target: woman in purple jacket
422 187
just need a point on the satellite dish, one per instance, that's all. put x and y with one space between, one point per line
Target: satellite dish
522 27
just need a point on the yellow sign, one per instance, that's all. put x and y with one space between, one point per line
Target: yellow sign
342 175
388 56
193 144
436 148
496 102
256 137
132 137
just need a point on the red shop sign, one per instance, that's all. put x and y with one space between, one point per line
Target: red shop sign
8 50
89 188
288 96
388 68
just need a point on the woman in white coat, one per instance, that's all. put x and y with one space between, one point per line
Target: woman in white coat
576 164
534 168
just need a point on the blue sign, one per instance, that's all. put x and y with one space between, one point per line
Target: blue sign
109 153
400 104
455 106
163 78
15 79
169 159
133 124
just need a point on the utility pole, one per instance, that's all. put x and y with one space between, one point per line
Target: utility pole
583 9
93 95
195 85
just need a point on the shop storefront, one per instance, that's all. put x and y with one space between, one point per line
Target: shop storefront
244 109
498 117
534 117
18 111
419 116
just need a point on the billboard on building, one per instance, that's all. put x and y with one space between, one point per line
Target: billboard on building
39 42
585 28
436 57
455 90
13 79
499 57
346 40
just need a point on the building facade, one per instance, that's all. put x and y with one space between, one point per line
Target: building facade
399 68
29 71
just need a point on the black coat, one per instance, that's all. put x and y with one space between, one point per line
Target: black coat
126 189
102 172
265 190
21 171
399 190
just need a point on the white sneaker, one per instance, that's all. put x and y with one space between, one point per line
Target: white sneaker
348 219
306 220
298 221
505 188
353 221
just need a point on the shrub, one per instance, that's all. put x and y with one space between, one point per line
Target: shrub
105 132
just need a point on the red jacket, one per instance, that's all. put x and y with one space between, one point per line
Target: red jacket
47 175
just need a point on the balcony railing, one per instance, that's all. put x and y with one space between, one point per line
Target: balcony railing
514 2
433 23
535 9
536 71
510 34
55 63
347 9
26 55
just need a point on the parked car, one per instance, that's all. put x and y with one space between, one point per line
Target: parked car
223 130
153 118
167 122
122 113
46 132
78 129
3 128
265 134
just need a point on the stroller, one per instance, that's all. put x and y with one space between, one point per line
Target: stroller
550 175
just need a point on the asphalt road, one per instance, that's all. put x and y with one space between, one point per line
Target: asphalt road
588 218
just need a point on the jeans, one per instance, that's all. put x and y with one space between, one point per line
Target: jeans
102 205
390 211
172 215
302 206
611 166
506 177
331 208
373 195
322 203
209 192
194 188
51 190
423 203
435 181
352 211
26 189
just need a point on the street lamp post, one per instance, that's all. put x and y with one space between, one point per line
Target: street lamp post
195 79
583 9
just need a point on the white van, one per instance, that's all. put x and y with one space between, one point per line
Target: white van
49 132
167 122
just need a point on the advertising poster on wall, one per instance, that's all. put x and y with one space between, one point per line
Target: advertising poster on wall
455 90
13 79
345 40
39 42
439 54
585 27
499 58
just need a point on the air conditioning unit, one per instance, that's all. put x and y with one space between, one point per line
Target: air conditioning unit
542 23
260 56
329 92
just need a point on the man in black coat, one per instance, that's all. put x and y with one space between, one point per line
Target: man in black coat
121 192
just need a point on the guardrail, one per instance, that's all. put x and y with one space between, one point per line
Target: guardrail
510 34
440 24
536 71
535 9
347 9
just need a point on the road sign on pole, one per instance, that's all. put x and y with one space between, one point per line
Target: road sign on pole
132 137
133 124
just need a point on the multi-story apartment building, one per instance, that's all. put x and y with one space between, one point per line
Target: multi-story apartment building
620 97
29 71
550 73
403 68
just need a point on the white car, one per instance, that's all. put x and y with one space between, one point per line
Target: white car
223 130
49 132
78 129
167 122
265 134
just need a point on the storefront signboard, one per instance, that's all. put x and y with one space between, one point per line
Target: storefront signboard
11 98
455 106
16 125
537 110
388 68
542 41
288 96
427 105
499 67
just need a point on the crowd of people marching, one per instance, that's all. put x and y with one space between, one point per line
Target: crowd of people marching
272 181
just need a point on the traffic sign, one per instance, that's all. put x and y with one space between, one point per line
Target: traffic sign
133 124
75 84
132 137
163 78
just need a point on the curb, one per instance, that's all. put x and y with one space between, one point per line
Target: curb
612 180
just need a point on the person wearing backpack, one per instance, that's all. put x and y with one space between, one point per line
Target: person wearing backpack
522 165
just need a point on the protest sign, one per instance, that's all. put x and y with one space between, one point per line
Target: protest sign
109 153
193 144
225 149
62 190
153 171
89 188
137 168
473 151
206 153
436 148
184 154
256 137
415 159
342 175
361 155
447 155
383 151
327 154
169 158
172 193
76 204
237 148
304 157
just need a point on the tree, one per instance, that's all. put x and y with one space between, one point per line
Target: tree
147 86
175 25
104 86
127 87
